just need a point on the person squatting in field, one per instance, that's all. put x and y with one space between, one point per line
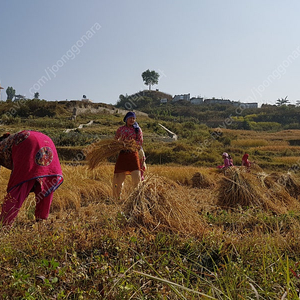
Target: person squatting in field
228 162
245 161
128 162
33 160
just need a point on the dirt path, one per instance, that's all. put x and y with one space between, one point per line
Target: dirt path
79 127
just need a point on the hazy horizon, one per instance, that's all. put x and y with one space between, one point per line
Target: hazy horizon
241 51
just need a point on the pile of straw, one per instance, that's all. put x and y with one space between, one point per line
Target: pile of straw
291 185
284 182
200 181
238 189
100 151
275 194
268 192
256 167
161 204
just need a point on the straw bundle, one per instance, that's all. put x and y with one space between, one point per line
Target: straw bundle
276 196
237 189
291 185
283 181
200 181
100 151
162 204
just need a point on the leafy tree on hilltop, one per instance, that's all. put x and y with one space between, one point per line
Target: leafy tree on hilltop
150 78
282 101
10 93
36 95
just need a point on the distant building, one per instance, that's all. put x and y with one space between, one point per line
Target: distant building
252 105
197 100
163 100
247 105
212 101
217 101
181 97
19 97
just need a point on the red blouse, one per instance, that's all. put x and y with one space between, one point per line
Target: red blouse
125 133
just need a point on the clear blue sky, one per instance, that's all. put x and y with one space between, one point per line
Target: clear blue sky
246 51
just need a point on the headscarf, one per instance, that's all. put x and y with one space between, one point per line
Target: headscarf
225 154
129 115
135 125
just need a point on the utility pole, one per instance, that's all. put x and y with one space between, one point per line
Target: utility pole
1 88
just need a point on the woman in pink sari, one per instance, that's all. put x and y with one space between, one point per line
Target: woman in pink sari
33 160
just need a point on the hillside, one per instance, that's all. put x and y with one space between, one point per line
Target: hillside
148 103
268 117
197 144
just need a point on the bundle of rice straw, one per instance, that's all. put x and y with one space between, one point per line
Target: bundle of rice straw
237 189
276 194
161 204
291 185
102 150
200 181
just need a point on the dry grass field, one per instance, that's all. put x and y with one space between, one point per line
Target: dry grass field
185 233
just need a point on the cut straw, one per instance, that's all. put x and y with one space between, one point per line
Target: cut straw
99 152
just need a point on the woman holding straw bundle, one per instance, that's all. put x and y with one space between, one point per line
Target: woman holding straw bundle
128 162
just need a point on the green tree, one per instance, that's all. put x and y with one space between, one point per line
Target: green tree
10 93
36 95
150 78
122 101
282 101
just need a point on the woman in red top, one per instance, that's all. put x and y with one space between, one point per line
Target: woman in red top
128 162
33 160
245 161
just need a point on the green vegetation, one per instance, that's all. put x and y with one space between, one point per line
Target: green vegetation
90 248
10 92
266 118
150 78
197 145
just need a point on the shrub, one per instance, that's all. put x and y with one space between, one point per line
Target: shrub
10 119
265 126
74 138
